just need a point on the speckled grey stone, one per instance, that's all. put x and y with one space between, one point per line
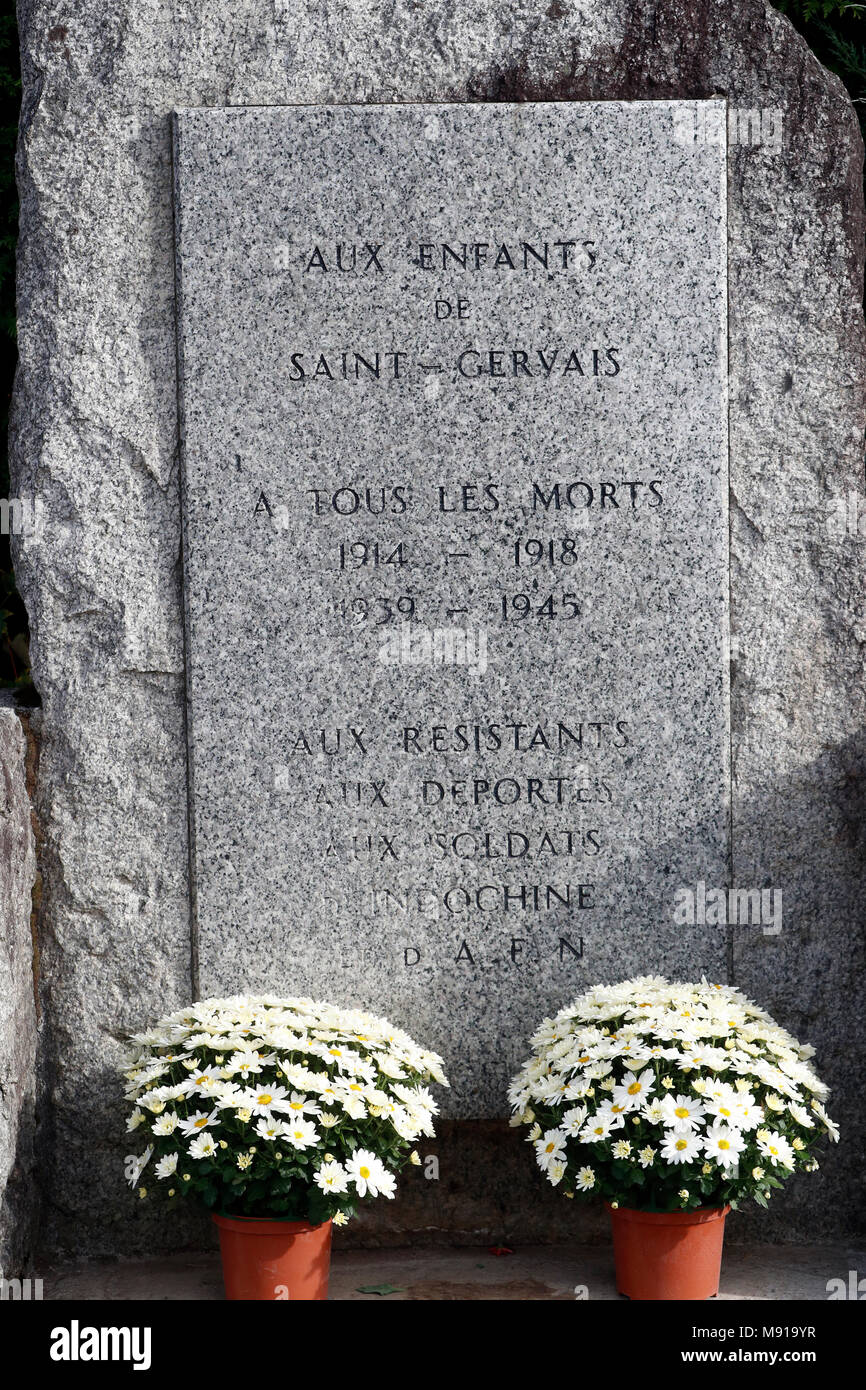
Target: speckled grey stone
460 844
96 435
17 1004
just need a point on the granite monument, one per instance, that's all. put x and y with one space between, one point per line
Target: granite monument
119 935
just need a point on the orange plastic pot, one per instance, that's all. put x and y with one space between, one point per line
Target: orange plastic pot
268 1260
668 1255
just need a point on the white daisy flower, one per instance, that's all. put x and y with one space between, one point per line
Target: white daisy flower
832 1127
801 1115
585 1179
634 1091
573 1119
166 1123
598 1127
775 1148
166 1166
203 1146
681 1146
610 1110
300 1132
265 1099
682 1113
370 1175
550 1148
197 1122
332 1177
269 1128
724 1144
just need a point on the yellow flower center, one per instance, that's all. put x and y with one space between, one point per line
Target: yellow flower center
365 1173
634 1088
681 1112
200 1124
681 1144
724 1144
264 1099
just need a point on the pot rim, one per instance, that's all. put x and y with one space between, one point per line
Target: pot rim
265 1225
700 1216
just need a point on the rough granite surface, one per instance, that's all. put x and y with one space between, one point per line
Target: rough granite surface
97 440
18 1028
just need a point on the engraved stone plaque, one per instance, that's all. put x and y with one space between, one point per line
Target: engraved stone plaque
454 447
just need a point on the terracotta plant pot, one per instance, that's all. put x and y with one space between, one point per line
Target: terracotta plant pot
668 1255
274 1260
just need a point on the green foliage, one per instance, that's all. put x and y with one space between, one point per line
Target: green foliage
808 11
835 30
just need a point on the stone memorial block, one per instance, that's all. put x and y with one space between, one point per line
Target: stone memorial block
95 439
454 441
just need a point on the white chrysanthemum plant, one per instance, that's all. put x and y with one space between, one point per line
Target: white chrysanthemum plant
669 1097
277 1108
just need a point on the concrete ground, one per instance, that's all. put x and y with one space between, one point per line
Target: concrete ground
537 1273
